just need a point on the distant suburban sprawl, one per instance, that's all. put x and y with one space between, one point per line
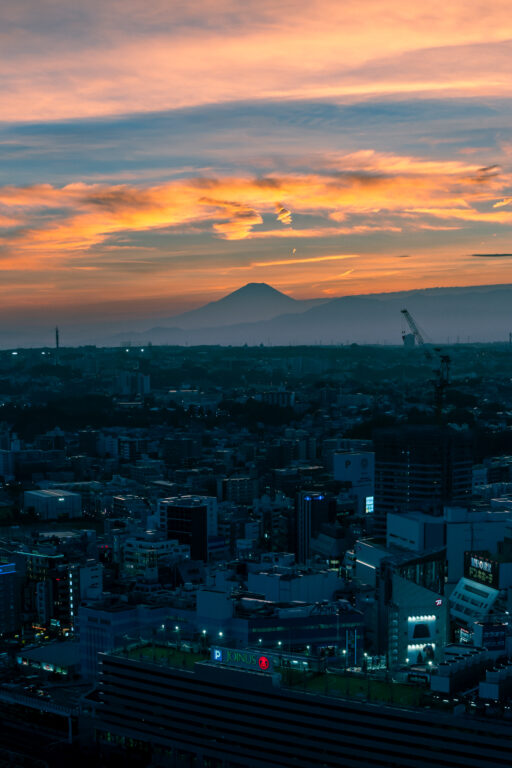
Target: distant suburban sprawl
256 556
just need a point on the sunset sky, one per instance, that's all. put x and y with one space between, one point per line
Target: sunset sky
158 155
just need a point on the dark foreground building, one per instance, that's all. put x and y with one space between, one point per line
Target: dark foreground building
220 716
420 469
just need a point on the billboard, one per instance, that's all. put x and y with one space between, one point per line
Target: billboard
356 468
481 568
421 638
259 662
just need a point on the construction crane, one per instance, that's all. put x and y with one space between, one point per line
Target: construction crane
442 373
415 333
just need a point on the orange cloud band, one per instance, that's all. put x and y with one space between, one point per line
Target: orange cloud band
365 193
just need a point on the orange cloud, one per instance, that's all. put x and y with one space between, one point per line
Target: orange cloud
283 214
9 221
124 57
363 193
239 218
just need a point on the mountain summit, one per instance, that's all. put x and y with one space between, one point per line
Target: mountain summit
252 303
257 290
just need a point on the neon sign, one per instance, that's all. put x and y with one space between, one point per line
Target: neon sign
246 659
483 565
479 567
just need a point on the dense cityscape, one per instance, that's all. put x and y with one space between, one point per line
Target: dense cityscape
202 547
255 384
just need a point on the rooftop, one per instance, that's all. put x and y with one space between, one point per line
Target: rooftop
167 656
50 493
60 654
338 683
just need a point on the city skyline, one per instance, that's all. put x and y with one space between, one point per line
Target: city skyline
164 158
255 384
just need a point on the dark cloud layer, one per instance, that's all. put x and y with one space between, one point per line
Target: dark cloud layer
492 255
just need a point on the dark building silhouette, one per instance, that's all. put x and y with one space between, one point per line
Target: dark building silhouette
190 520
420 469
313 508
213 714
181 451
88 441
9 602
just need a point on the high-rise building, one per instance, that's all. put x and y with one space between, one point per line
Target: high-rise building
420 468
312 510
50 589
240 490
357 468
190 520
143 553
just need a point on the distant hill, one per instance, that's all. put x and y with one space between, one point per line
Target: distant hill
259 314
252 303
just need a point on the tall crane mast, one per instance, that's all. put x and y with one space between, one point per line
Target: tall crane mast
416 333
442 373
412 325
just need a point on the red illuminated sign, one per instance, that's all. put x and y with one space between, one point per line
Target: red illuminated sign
246 659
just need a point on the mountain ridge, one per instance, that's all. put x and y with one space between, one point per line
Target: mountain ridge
479 312
253 302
